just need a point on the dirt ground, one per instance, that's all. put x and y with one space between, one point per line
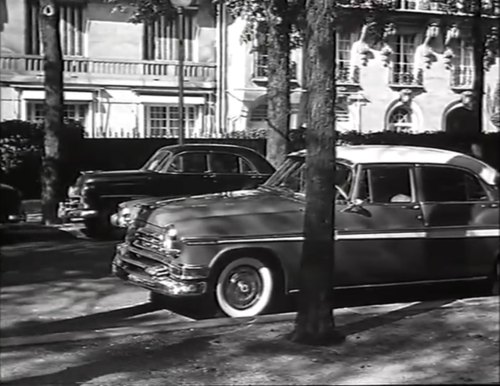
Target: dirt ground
441 341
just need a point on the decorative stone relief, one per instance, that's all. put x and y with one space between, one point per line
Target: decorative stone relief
405 96
453 34
360 48
387 51
424 53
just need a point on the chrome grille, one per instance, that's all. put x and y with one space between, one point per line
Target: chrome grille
148 240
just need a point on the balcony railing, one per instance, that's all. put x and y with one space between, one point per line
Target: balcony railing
344 75
406 78
33 63
462 77
488 7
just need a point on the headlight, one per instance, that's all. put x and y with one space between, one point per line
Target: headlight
72 191
127 215
169 238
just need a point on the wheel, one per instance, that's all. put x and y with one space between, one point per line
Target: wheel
244 287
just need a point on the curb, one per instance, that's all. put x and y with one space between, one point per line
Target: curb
365 311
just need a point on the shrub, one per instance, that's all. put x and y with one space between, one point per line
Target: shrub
21 145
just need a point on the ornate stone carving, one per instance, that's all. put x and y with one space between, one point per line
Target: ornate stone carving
387 51
424 52
452 35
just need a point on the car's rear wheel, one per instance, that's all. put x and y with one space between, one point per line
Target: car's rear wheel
244 287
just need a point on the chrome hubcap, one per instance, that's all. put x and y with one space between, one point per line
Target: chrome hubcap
243 287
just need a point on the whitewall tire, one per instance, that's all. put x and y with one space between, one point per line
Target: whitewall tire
244 287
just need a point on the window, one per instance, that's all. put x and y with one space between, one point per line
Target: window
76 112
71 27
343 46
260 64
194 162
400 119
441 184
161 38
402 68
163 120
224 163
462 72
406 4
385 184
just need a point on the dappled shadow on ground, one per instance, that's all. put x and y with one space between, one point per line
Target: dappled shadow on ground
417 344
99 320
42 261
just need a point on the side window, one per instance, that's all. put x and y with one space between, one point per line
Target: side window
246 167
189 163
450 184
385 184
224 163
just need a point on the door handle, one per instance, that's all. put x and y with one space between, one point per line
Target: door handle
412 207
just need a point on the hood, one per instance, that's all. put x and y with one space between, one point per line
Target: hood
243 212
111 177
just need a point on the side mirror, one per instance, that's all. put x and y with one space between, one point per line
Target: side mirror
354 206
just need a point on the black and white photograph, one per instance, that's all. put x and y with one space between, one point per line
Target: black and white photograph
249 192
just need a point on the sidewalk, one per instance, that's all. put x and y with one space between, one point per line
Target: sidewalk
443 341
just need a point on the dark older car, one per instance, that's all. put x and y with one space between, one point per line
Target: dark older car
11 205
403 215
177 170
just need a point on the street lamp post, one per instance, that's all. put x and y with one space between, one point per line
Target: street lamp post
180 5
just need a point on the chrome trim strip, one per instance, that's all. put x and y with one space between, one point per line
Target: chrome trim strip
430 234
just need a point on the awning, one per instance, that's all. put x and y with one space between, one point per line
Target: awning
68 95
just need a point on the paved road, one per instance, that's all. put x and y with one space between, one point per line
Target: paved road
57 281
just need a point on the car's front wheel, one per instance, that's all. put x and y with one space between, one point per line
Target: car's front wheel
244 287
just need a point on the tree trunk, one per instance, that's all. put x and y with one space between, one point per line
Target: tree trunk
53 83
478 82
315 323
278 75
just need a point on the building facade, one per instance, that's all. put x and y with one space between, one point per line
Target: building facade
121 79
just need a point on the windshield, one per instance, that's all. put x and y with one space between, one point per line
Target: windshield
158 161
292 176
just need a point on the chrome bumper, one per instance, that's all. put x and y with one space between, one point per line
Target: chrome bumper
72 210
161 284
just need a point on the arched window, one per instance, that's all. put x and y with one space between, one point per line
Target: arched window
400 119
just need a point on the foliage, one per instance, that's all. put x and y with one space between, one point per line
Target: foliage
144 10
21 146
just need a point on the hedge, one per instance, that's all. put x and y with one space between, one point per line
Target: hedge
21 146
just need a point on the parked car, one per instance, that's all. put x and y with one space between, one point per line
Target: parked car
11 205
177 170
404 215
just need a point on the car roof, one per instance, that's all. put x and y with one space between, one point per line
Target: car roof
369 154
258 159
206 146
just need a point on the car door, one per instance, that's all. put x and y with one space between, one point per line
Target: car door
461 218
186 174
232 172
381 240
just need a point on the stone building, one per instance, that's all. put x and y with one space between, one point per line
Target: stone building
121 79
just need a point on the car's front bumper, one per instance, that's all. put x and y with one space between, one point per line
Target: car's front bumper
163 285
72 210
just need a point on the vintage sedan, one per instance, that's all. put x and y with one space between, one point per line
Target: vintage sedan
404 215
177 170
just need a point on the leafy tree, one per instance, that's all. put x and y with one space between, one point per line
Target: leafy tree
314 323
53 83
275 26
